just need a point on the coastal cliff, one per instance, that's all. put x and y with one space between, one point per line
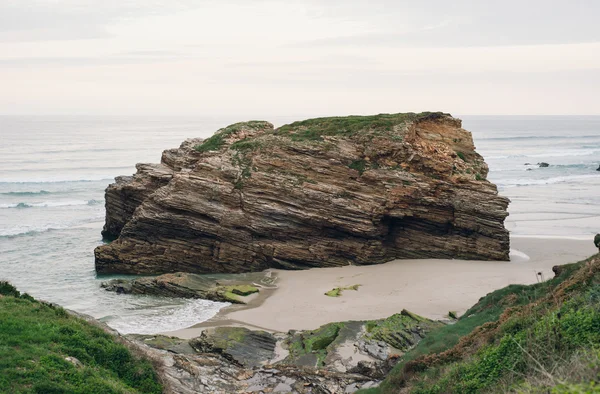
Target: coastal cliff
316 193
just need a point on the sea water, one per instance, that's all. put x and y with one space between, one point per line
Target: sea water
53 172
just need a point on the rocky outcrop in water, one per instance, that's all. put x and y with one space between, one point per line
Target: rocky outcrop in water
234 288
321 192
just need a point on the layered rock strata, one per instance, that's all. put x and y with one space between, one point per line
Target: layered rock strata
321 192
338 357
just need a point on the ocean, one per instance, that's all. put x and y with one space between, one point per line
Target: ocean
53 172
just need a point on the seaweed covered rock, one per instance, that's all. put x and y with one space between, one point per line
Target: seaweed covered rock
320 192
239 344
232 288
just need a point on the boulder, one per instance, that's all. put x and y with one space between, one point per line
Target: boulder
238 344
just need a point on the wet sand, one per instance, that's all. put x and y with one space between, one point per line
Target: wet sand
430 287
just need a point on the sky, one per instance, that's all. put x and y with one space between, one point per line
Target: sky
261 58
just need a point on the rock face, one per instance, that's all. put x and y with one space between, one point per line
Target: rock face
316 193
338 357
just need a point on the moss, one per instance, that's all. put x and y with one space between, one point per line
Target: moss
336 292
225 337
358 165
479 177
231 297
242 290
247 144
314 342
402 330
461 156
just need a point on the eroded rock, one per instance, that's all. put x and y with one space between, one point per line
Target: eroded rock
321 192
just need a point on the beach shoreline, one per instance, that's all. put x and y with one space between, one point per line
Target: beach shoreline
428 287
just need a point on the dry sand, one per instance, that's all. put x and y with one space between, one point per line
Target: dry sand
429 288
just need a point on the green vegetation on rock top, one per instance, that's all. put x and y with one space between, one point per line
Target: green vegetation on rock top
316 129
36 338
217 140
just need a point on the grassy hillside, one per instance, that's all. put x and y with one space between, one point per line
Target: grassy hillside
43 349
543 338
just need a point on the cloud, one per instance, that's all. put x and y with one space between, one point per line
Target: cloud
49 20
130 57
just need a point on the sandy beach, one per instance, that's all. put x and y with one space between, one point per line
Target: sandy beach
429 287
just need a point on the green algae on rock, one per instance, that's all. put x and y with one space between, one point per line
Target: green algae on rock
336 292
230 288
238 344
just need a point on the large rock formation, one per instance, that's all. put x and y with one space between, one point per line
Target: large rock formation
321 192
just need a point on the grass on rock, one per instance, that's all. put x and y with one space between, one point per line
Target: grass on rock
36 338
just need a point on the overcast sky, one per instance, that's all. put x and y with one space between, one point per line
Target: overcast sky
262 58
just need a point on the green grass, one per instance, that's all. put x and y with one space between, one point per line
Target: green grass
358 165
552 331
35 339
316 129
217 140
528 342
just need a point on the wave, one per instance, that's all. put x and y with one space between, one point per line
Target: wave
49 204
548 181
41 192
538 137
165 319
30 230
557 153
105 169
57 180
534 166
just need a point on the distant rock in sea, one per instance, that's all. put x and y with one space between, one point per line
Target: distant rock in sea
320 192
543 165
598 169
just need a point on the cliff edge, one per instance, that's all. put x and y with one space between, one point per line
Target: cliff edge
316 193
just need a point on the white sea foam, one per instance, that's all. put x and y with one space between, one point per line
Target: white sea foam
21 230
59 179
158 320
47 204
548 181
